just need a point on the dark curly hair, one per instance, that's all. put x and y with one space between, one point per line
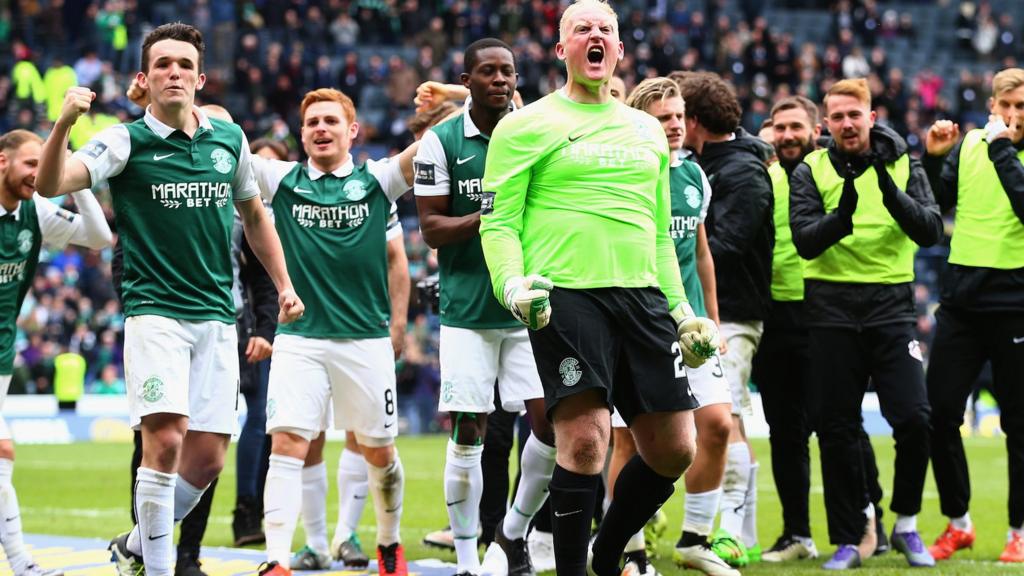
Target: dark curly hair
711 101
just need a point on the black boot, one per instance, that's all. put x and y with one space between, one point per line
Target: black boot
247 525
187 565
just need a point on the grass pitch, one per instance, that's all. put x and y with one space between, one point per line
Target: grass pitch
83 490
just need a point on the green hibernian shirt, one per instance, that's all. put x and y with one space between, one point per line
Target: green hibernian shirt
580 193
691 195
334 231
173 203
450 162
23 231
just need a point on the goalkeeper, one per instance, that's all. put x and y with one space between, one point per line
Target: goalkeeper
575 231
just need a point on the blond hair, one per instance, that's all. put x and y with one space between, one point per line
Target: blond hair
15 139
652 90
856 87
1007 80
576 6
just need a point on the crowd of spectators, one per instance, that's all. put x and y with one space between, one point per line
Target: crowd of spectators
263 54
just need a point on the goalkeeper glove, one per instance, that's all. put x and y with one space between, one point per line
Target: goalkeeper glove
527 300
698 337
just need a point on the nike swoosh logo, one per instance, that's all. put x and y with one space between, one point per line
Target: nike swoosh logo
157 537
456 502
1019 340
575 137
561 515
11 519
302 190
159 157
461 161
389 425
359 497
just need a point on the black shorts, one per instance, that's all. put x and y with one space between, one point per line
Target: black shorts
619 340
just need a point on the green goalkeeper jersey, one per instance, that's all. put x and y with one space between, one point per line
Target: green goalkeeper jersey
579 193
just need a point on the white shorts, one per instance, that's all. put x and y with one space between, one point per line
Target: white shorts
182 367
743 339
471 360
5 384
310 376
708 384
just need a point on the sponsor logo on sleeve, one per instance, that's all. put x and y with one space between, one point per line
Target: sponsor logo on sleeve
487 203
424 173
94 149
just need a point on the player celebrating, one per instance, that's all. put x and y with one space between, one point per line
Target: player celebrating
26 223
480 341
781 360
332 217
981 316
856 211
575 232
180 342
691 194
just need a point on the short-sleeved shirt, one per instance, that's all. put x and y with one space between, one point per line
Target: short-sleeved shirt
450 162
334 230
691 195
23 230
580 193
173 202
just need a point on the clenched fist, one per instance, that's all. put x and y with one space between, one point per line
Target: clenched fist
77 101
941 137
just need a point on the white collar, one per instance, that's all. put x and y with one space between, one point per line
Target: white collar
163 130
679 156
469 129
342 171
16 211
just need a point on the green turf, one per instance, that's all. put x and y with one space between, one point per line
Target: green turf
83 490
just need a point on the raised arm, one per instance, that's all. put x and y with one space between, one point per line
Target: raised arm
57 175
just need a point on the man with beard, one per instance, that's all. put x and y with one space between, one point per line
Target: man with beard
26 223
575 231
856 211
781 361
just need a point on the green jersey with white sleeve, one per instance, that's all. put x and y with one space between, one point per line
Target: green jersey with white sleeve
173 203
334 229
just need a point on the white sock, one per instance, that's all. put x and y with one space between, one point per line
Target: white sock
388 486
537 465
314 509
463 487
734 487
353 486
962 523
750 509
700 509
905 523
154 509
869 512
635 542
186 496
282 498
10 524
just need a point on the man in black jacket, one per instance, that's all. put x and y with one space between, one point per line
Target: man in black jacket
740 234
780 367
857 209
981 316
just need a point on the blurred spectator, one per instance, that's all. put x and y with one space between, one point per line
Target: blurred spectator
108 383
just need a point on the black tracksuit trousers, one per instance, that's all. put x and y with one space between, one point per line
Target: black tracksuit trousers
781 373
964 340
843 361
